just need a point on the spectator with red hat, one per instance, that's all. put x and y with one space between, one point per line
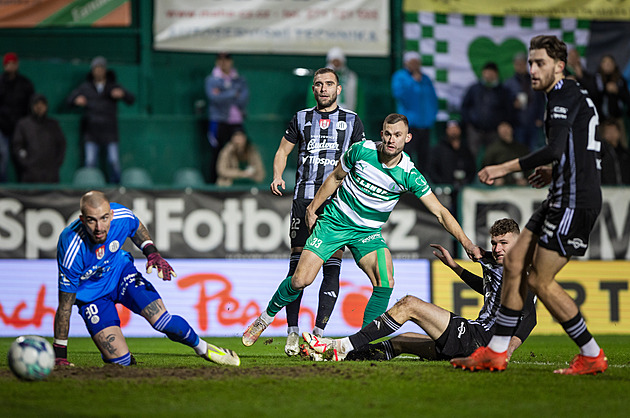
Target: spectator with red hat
15 94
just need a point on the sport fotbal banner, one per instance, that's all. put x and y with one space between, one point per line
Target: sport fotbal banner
454 47
217 297
303 27
583 9
67 13
229 224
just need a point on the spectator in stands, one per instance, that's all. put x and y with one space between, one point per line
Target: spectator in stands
228 95
529 105
239 161
416 99
336 60
503 149
451 160
611 95
39 145
615 156
575 69
15 93
99 95
485 104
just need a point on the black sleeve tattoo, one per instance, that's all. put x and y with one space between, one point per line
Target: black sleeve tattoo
142 234
62 316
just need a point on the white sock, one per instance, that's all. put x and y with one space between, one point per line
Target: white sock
499 343
201 348
590 349
267 319
318 331
345 345
293 329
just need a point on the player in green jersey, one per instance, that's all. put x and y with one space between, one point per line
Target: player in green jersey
369 181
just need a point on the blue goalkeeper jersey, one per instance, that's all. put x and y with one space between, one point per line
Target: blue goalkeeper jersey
93 270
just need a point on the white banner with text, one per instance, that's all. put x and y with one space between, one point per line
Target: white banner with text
303 27
218 297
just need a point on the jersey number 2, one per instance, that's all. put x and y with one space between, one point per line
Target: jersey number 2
593 143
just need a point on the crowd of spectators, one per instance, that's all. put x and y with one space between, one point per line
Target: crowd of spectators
500 118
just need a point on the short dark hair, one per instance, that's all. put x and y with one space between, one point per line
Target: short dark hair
325 70
503 226
555 48
393 118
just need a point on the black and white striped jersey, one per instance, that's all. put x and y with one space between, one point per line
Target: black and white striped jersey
492 279
322 137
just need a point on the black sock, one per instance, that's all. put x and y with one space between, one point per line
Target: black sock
293 309
379 351
576 328
507 321
328 291
379 328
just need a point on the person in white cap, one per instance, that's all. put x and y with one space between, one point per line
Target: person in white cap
336 60
416 98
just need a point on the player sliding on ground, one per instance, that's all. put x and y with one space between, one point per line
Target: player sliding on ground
448 335
95 274
560 228
379 173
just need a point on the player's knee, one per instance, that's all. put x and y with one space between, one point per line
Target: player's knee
408 302
298 282
512 266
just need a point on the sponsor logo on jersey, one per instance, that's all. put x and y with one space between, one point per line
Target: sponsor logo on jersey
577 243
461 330
324 123
371 238
313 159
370 188
342 125
114 246
100 252
315 145
559 112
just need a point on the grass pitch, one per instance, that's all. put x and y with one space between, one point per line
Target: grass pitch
170 381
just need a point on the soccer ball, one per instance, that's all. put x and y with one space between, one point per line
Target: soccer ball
31 357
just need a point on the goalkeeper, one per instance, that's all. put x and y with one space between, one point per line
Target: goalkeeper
95 274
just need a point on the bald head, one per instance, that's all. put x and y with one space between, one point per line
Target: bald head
92 199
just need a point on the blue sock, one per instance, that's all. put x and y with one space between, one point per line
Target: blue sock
122 360
177 329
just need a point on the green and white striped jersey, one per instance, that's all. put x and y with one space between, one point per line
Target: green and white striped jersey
371 190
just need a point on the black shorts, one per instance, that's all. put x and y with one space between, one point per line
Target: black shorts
298 230
563 230
461 338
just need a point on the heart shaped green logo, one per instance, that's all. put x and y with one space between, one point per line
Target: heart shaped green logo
483 49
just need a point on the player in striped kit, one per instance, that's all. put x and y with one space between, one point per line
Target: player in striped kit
95 274
560 228
369 181
322 134
448 335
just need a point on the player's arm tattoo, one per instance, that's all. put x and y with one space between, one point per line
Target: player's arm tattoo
141 235
62 316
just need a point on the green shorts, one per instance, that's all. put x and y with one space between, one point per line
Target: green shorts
330 235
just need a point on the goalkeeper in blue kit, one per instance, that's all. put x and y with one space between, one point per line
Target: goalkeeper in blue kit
95 274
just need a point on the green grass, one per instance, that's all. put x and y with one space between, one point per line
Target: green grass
268 383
